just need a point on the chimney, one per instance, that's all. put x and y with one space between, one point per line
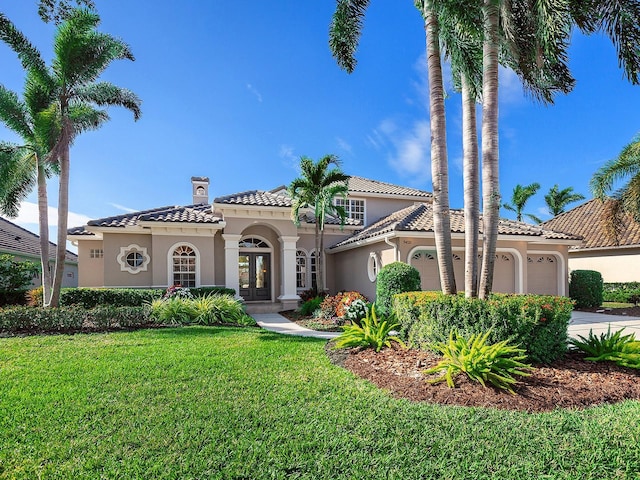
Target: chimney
200 186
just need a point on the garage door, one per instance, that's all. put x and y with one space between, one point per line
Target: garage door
542 274
426 262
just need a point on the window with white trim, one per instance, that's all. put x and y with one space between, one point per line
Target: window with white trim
96 253
301 269
313 268
133 259
354 208
373 266
184 266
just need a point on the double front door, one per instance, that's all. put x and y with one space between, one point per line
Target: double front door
254 276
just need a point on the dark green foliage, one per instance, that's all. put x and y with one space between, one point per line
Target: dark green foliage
628 292
13 297
214 309
16 274
586 288
71 319
495 364
310 306
536 322
396 277
126 297
615 347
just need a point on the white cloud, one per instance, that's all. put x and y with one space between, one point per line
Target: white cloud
28 215
410 148
291 160
123 208
510 87
253 90
543 212
344 145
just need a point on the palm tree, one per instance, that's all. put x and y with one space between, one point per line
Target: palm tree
317 188
519 199
81 55
58 10
625 166
24 166
557 200
344 34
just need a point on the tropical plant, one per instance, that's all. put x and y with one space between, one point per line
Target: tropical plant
58 10
356 311
317 189
494 364
81 56
344 35
625 166
15 274
395 277
557 200
310 306
615 347
373 332
519 199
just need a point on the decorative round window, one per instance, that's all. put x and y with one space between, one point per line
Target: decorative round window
373 266
133 259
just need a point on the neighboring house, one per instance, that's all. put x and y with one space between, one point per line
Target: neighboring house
248 242
615 256
25 245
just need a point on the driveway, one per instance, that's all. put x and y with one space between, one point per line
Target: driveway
582 322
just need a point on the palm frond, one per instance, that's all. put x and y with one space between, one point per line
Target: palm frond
107 94
625 165
345 31
18 175
14 113
29 55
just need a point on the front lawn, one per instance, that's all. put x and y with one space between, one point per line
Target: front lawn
215 402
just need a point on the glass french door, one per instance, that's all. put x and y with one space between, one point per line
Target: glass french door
253 269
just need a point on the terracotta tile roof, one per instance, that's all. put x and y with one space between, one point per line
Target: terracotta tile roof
18 240
256 198
365 185
309 217
419 218
188 214
587 221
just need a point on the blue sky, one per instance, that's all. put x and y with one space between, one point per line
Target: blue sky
238 91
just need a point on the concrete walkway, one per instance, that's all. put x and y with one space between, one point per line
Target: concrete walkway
580 324
275 322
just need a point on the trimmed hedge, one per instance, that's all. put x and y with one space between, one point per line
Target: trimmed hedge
538 323
585 288
71 319
13 297
396 277
125 297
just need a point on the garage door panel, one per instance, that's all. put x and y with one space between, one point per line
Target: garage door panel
542 274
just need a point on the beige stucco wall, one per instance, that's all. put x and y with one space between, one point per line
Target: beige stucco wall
350 268
90 270
622 265
376 208
164 244
113 274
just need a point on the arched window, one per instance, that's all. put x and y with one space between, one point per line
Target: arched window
184 266
301 269
314 269
253 243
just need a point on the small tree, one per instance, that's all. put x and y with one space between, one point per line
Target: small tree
396 277
519 199
557 200
586 288
14 274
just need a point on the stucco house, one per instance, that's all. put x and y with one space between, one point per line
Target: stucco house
248 242
25 245
615 256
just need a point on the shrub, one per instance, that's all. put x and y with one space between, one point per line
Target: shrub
585 288
347 298
310 293
310 306
215 309
495 364
537 322
356 311
621 349
93 297
15 274
628 292
374 333
334 306
35 296
63 319
13 297
396 277
109 317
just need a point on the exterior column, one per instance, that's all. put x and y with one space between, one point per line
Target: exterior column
289 297
231 252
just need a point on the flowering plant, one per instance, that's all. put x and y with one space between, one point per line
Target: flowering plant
177 291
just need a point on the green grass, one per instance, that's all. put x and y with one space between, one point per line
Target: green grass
229 403
617 305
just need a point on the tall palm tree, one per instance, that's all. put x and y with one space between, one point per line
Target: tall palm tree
344 35
626 166
519 199
81 56
24 166
557 200
317 188
58 10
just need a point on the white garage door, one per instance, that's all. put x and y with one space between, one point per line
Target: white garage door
426 263
542 274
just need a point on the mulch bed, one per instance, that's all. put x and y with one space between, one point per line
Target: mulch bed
572 382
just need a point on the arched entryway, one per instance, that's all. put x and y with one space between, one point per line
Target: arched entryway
254 268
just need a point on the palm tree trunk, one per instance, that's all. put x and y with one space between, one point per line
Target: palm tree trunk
471 190
319 265
43 220
439 170
63 209
490 182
